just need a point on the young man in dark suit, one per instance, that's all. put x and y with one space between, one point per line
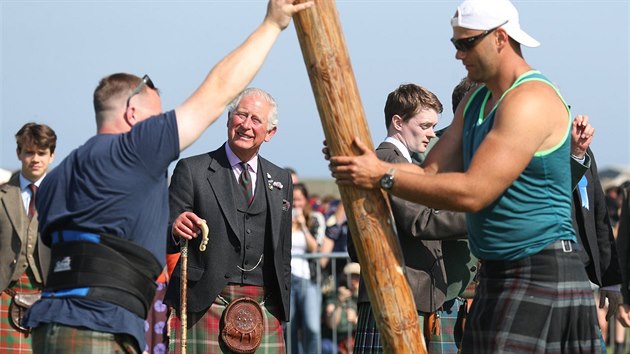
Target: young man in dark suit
411 113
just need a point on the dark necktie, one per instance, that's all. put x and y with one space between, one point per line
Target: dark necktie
31 204
245 180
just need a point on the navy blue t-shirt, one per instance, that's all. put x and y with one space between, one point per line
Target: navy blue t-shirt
115 184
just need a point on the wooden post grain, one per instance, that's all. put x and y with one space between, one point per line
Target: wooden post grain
369 217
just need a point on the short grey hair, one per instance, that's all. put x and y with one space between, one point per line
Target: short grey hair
272 120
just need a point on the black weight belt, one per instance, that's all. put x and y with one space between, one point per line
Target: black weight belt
102 267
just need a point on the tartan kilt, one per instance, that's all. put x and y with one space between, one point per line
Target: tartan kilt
539 304
205 335
12 340
53 338
368 339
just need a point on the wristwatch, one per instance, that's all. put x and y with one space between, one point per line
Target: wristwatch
387 181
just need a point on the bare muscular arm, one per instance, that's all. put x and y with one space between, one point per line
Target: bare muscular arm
531 118
233 73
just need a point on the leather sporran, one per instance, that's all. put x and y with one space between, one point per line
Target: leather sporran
19 304
243 330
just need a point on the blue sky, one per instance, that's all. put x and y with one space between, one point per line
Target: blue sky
54 52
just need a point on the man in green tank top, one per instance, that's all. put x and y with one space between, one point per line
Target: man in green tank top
505 161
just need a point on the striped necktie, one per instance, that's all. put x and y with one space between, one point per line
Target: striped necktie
245 180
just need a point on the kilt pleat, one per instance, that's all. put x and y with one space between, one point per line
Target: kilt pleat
54 338
451 329
205 335
539 304
368 338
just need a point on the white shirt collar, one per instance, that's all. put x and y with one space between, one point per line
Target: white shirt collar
234 160
403 149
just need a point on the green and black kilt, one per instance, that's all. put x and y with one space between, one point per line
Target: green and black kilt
539 304
205 335
12 340
54 338
367 339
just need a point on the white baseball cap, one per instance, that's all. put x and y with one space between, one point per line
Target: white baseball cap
488 14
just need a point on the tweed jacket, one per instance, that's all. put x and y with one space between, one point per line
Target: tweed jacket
19 246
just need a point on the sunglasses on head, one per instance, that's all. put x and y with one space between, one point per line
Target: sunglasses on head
468 43
146 81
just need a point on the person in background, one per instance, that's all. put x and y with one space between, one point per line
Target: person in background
613 202
335 240
156 323
23 259
306 296
460 264
294 176
340 312
592 226
623 247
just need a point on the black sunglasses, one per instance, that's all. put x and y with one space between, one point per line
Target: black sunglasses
146 81
468 43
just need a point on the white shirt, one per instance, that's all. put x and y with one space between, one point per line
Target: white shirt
237 169
26 191
403 149
299 265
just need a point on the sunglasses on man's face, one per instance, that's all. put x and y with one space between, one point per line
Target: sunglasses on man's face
468 43
146 81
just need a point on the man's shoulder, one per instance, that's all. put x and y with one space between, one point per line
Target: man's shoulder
7 189
385 148
384 145
12 183
389 152
270 167
535 90
206 156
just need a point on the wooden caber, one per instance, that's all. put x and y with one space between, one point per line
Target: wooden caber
369 215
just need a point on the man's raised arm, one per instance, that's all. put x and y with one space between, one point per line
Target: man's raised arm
233 73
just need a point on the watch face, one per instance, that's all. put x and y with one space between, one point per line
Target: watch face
387 181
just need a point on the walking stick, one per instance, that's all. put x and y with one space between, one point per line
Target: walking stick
183 295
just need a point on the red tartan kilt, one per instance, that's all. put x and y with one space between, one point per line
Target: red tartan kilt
205 334
11 340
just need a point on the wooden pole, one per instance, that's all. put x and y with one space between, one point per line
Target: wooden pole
369 216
